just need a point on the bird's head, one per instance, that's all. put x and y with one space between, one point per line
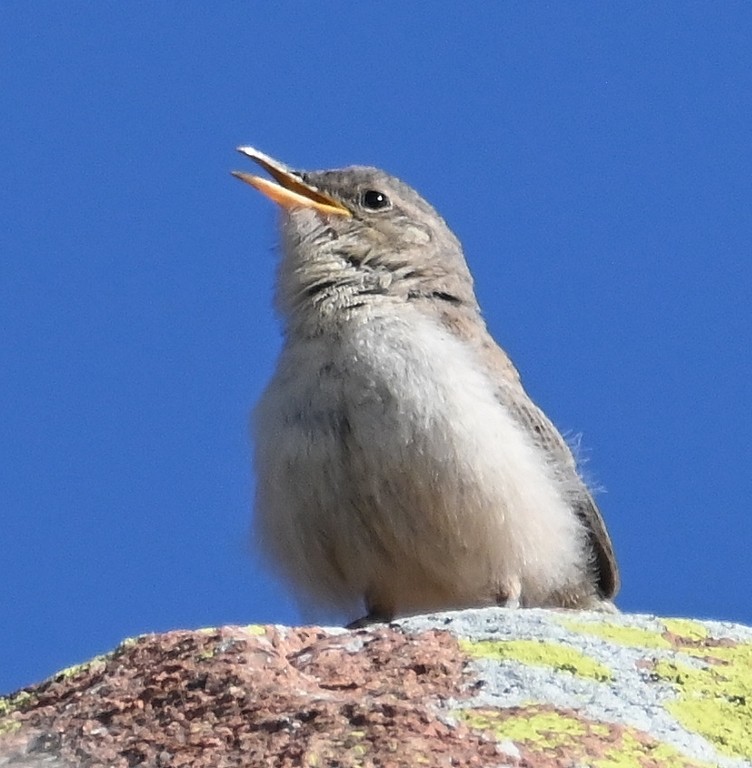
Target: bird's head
357 235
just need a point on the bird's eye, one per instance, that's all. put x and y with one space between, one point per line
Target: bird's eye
374 200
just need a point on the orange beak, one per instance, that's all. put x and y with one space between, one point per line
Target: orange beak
290 191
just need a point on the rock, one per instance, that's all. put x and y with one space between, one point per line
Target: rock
486 688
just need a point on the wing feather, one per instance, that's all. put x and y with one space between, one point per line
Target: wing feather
544 434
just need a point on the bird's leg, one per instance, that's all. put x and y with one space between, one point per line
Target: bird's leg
509 594
377 614
368 620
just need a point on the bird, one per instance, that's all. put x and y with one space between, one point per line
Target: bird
400 465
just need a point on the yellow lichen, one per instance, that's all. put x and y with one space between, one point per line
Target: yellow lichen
630 752
9 705
97 664
15 701
686 629
716 699
532 725
540 654
632 637
541 731
8 725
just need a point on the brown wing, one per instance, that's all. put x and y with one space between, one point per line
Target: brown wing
546 435
511 392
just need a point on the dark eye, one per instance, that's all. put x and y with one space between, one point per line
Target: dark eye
374 201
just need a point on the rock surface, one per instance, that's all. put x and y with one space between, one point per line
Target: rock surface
484 688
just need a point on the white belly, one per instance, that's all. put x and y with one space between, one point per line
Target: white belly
394 469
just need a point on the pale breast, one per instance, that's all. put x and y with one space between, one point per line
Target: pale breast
383 457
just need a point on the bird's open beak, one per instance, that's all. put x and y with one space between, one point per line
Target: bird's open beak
291 191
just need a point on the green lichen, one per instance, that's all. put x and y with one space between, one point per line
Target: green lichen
8 725
352 748
716 699
530 726
9 705
540 654
632 752
14 702
97 664
255 629
631 637
686 629
542 731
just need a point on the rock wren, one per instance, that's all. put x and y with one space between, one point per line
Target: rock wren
399 461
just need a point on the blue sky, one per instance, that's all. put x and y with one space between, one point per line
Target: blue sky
595 159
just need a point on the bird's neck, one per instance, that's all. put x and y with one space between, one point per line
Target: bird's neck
324 292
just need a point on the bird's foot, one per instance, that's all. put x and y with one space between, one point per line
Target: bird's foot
377 614
370 618
509 595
